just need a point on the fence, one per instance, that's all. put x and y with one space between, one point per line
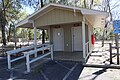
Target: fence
115 47
27 51
27 54
14 52
86 50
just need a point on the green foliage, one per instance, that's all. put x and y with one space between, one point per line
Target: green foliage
30 34
20 16
99 33
109 33
9 10
12 8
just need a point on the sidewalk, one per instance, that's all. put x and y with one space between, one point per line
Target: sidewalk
100 56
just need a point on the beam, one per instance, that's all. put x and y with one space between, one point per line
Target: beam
35 38
90 33
9 63
83 37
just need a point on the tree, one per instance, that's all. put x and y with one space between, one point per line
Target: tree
110 8
9 9
10 29
3 22
107 8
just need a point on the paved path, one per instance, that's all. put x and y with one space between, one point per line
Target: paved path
49 70
100 56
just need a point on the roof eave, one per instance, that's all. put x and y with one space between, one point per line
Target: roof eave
25 21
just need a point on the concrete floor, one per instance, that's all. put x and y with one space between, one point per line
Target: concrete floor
69 56
49 70
65 64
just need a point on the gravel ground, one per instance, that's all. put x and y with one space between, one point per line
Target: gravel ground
100 56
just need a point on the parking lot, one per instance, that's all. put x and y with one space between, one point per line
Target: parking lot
49 70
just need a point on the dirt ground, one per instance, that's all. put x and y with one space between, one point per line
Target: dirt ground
100 56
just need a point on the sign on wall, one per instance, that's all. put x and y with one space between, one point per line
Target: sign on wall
116 25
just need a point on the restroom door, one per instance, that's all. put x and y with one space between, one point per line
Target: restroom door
77 38
58 39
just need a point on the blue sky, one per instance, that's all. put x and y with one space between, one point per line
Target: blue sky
116 11
28 9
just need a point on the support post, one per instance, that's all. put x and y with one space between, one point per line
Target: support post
117 45
87 48
83 37
9 63
35 39
51 49
49 33
22 38
89 33
27 63
43 50
110 46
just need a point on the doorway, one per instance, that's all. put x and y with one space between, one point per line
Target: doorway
76 38
58 39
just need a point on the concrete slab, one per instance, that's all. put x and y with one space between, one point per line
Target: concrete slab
98 67
99 74
49 70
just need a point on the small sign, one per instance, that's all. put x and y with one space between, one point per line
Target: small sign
116 25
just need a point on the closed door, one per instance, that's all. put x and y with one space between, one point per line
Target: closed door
77 38
58 39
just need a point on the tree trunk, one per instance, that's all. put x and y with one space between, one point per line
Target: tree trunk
91 4
41 3
43 36
3 33
85 4
103 37
8 38
15 37
107 8
43 32
3 24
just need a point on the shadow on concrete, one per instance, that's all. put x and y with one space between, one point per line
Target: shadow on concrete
99 72
94 75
